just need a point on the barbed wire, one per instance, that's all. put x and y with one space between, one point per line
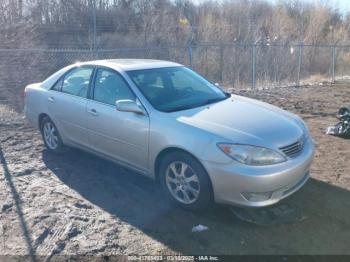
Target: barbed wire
162 47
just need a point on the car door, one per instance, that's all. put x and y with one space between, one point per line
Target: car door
120 135
67 104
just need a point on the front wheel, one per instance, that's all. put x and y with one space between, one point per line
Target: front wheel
185 181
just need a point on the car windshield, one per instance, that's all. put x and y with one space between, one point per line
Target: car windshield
173 89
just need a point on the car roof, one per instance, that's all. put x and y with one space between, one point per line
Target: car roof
133 64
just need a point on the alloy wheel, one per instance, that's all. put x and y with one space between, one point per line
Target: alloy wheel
50 135
182 182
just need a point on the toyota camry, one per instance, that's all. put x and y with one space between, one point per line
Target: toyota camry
167 122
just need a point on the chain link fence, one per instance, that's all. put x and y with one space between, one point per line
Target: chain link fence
233 66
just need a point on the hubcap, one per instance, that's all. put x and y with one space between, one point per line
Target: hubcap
50 135
182 182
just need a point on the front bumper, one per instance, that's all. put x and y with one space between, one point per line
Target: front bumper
229 181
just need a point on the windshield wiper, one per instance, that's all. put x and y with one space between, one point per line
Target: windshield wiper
214 100
180 108
206 102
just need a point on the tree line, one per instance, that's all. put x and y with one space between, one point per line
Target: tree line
135 23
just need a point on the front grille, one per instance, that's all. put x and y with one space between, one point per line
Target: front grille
294 149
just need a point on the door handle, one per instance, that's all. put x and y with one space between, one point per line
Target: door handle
51 99
93 112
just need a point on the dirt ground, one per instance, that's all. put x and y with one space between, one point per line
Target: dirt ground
79 204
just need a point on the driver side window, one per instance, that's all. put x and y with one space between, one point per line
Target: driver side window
77 81
110 87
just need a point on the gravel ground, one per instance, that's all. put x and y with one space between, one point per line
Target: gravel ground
79 204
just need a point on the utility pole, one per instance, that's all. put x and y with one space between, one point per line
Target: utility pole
190 43
189 21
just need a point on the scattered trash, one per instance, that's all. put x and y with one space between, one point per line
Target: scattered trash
199 228
269 216
341 129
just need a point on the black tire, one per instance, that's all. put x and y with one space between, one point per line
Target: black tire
60 148
205 196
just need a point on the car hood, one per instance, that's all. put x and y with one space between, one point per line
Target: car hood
246 121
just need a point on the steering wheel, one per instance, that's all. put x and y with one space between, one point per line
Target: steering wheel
187 91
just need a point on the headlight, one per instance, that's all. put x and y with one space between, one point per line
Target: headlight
252 155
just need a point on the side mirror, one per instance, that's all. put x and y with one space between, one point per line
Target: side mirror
219 86
222 89
129 106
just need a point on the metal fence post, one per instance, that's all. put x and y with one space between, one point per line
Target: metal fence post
221 73
190 55
94 25
253 65
333 63
300 61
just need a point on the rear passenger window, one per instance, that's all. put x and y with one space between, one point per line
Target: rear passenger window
77 81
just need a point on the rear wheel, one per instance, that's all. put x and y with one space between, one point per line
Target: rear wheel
185 181
51 136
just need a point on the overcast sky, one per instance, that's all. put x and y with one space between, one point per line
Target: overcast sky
342 5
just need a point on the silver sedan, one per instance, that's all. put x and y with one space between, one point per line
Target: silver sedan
165 121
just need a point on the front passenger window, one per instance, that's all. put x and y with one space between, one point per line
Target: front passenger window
110 87
77 81
57 86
